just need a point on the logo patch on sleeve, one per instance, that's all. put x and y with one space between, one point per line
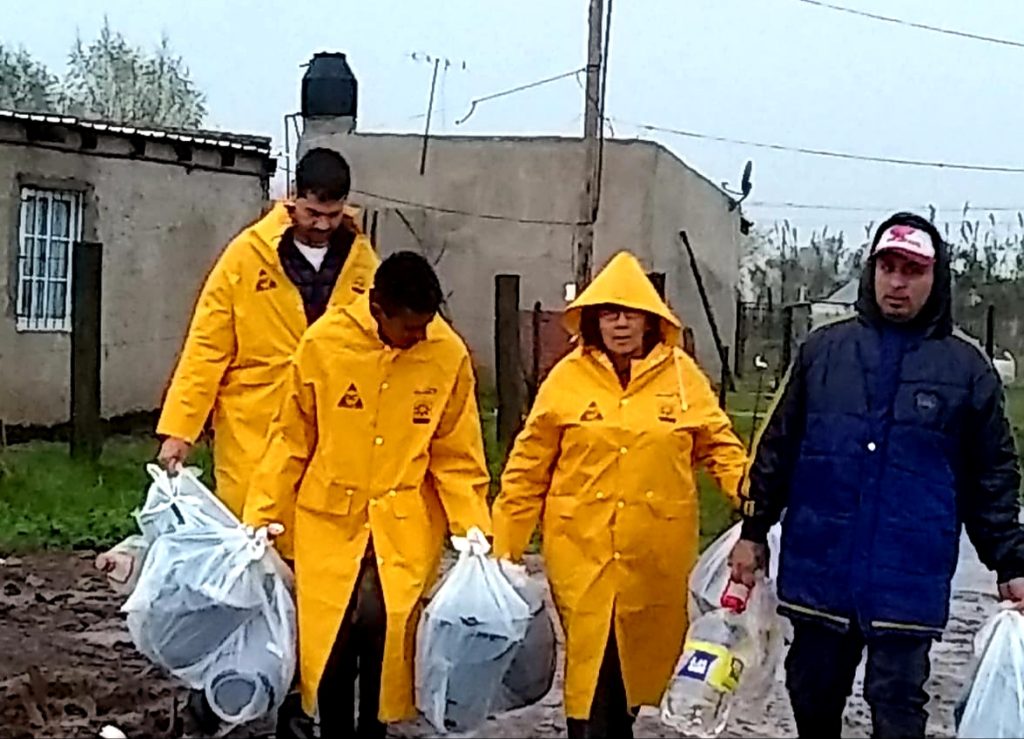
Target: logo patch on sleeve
592 413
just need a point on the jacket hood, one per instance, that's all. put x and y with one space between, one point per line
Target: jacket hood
623 282
936 318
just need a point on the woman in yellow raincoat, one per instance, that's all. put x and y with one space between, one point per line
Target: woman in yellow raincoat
607 462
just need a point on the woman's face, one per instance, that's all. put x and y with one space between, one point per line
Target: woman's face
622 329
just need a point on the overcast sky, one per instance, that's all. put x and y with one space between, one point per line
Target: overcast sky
778 71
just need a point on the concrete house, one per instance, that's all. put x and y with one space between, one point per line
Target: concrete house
486 206
163 204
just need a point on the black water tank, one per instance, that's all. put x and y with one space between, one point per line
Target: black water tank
329 88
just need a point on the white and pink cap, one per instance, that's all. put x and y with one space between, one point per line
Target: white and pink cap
912 242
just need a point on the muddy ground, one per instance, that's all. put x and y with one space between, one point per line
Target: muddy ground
68 668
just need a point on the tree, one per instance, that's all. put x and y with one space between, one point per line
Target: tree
107 79
24 83
112 80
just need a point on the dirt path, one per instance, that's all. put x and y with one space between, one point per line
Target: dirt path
67 666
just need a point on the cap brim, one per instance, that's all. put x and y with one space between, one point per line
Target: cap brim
911 255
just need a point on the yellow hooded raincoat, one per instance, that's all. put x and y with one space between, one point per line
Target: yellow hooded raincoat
247 323
371 440
611 475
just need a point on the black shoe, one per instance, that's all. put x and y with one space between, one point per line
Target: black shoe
206 722
292 722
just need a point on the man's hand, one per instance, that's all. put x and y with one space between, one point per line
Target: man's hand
1013 591
746 559
173 453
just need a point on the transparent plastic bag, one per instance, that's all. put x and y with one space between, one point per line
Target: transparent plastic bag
180 502
467 639
211 601
711 574
531 673
995 699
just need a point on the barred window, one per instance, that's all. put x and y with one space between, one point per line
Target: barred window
50 224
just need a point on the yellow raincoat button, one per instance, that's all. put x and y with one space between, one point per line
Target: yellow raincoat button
621 505
379 440
623 450
384 386
600 496
392 493
617 556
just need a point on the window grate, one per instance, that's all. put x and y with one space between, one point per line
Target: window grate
50 224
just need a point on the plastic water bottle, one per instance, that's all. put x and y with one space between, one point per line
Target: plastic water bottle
718 648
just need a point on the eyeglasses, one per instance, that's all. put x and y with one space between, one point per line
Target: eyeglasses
614 314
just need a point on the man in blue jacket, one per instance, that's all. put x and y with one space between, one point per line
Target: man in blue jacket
889 434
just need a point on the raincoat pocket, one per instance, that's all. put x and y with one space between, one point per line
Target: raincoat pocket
323 495
670 510
407 503
561 506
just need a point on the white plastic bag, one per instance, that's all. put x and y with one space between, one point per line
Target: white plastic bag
467 638
711 575
212 604
179 502
995 701
532 671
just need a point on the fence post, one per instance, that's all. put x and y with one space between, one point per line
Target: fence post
990 331
740 340
723 385
508 357
658 280
86 351
787 340
538 313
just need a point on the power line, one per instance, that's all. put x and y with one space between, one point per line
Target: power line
467 213
874 208
829 153
914 24
514 90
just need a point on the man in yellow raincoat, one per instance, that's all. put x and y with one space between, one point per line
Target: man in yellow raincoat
276 278
377 442
607 461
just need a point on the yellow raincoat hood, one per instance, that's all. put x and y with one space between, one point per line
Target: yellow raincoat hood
623 282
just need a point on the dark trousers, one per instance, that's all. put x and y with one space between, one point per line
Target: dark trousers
610 716
820 671
358 652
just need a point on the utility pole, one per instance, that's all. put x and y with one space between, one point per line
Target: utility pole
592 114
430 112
437 62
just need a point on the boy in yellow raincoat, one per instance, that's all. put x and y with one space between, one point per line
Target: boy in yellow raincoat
377 442
275 279
606 461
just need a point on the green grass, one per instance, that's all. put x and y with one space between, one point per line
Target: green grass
48 501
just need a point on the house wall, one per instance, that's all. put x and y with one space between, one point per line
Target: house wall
161 226
646 193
